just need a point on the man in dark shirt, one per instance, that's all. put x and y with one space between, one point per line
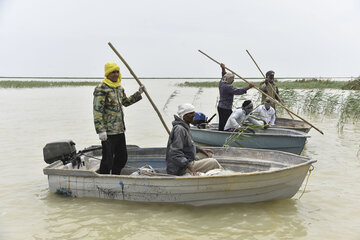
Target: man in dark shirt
227 92
181 150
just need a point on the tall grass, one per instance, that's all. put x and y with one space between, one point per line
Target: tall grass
318 103
44 84
345 104
349 110
170 98
197 96
311 84
353 85
240 134
297 84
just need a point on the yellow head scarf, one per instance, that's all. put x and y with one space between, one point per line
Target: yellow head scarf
110 67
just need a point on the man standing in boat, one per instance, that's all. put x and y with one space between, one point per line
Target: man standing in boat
270 88
109 97
227 92
181 150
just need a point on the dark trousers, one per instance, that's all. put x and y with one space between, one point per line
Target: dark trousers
224 115
114 154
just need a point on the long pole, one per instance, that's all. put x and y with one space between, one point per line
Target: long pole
265 80
145 91
264 93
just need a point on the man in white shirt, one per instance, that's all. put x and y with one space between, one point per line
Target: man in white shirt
265 112
239 116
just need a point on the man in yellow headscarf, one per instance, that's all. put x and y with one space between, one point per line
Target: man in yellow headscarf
109 97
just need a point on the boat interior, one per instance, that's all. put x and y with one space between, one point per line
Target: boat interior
269 131
233 159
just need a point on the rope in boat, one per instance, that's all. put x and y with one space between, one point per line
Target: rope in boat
307 180
276 219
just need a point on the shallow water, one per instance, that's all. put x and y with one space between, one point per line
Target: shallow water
30 118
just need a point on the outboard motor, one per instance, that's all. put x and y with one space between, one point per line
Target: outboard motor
66 152
62 150
200 120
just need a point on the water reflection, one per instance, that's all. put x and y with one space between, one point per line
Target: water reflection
108 219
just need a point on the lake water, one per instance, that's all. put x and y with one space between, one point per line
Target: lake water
30 118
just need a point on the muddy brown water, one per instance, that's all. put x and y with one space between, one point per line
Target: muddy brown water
30 118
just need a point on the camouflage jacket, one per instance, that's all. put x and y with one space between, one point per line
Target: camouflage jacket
270 89
107 108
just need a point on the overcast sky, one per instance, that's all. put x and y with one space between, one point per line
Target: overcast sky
160 38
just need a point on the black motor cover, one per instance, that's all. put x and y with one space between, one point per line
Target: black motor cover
62 150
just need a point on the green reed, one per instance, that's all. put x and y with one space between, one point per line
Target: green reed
313 102
170 98
353 85
45 84
197 96
241 134
311 84
349 110
323 103
297 84
317 102
291 99
331 102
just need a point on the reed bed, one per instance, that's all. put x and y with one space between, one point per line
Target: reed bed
315 100
297 84
44 84
353 85
349 110
324 104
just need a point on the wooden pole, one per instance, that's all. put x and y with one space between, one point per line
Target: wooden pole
145 91
264 93
265 80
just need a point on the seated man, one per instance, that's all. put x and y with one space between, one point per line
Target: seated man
239 116
265 112
181 150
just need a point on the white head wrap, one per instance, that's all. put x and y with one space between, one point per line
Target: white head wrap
228 77
184 109
267 103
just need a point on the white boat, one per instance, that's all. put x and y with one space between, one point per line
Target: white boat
259 175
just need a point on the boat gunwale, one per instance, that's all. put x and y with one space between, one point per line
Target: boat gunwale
301 135
92 173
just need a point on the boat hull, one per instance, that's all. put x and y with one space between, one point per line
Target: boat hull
275 139
264 179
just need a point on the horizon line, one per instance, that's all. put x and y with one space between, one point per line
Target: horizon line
37 77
